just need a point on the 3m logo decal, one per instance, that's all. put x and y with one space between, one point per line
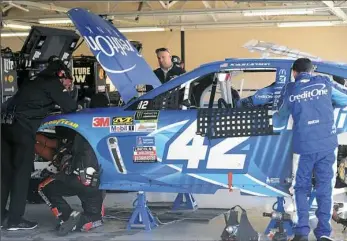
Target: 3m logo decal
122 120
101 122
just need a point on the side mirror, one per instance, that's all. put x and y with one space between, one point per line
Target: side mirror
186 103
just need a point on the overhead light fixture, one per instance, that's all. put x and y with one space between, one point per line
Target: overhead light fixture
14 34
140 29
123 30
277 12
16 25
308 24
55 21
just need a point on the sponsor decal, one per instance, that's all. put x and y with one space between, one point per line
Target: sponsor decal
9 78
12 89
101 74
282 76
8 65
311 122
224 65
80 74
101 122
320 90
146 127
249 64
273 180
61 121
142 141
128 120
146 116
121 128
146 154
107 43
265 96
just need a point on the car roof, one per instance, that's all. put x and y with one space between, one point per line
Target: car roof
206 68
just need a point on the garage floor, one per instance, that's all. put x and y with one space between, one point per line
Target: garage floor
183 230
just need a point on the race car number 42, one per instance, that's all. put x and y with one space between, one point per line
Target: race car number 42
217 159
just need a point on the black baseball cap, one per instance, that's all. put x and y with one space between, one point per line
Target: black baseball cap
302 65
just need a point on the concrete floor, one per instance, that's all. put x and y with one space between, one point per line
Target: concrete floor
183 230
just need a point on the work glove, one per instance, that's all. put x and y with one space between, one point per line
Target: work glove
89 176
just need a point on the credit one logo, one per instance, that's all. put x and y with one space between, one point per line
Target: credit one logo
268 96
108 44
311 93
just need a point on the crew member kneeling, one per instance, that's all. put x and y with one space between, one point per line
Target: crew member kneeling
78 175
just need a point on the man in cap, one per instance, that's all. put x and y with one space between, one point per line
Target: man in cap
23 114
310 100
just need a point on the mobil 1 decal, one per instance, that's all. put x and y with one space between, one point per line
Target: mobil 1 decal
145 150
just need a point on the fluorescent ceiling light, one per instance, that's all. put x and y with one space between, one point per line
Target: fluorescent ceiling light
308 24
15 34
140 29
278 12
16 25
55 21
124 30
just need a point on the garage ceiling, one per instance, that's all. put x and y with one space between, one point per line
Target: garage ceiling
179 14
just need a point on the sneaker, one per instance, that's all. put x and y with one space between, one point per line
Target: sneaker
326 238
90 225
23 225
70 224
300 238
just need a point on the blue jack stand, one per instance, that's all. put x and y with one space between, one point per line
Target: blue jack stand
189 204
142 216
279 219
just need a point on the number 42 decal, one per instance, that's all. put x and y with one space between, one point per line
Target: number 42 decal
194 153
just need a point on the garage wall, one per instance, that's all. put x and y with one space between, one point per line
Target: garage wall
209 45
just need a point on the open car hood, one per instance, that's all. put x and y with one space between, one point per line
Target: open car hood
123 64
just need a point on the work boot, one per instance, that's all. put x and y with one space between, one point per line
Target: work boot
69 225
79 222
300 238
325 238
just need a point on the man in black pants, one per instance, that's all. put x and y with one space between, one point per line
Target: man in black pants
20 119
79 173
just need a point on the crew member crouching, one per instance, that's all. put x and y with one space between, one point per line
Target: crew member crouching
78 175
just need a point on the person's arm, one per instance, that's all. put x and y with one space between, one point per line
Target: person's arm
261 97
60 96
283 103
338 94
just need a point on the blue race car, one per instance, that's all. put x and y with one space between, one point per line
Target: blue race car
188 135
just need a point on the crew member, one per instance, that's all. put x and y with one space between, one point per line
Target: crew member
167 69
78 175
310 100
20 120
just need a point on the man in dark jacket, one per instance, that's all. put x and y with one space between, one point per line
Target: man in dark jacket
74 160
36 98
78 174
167 70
